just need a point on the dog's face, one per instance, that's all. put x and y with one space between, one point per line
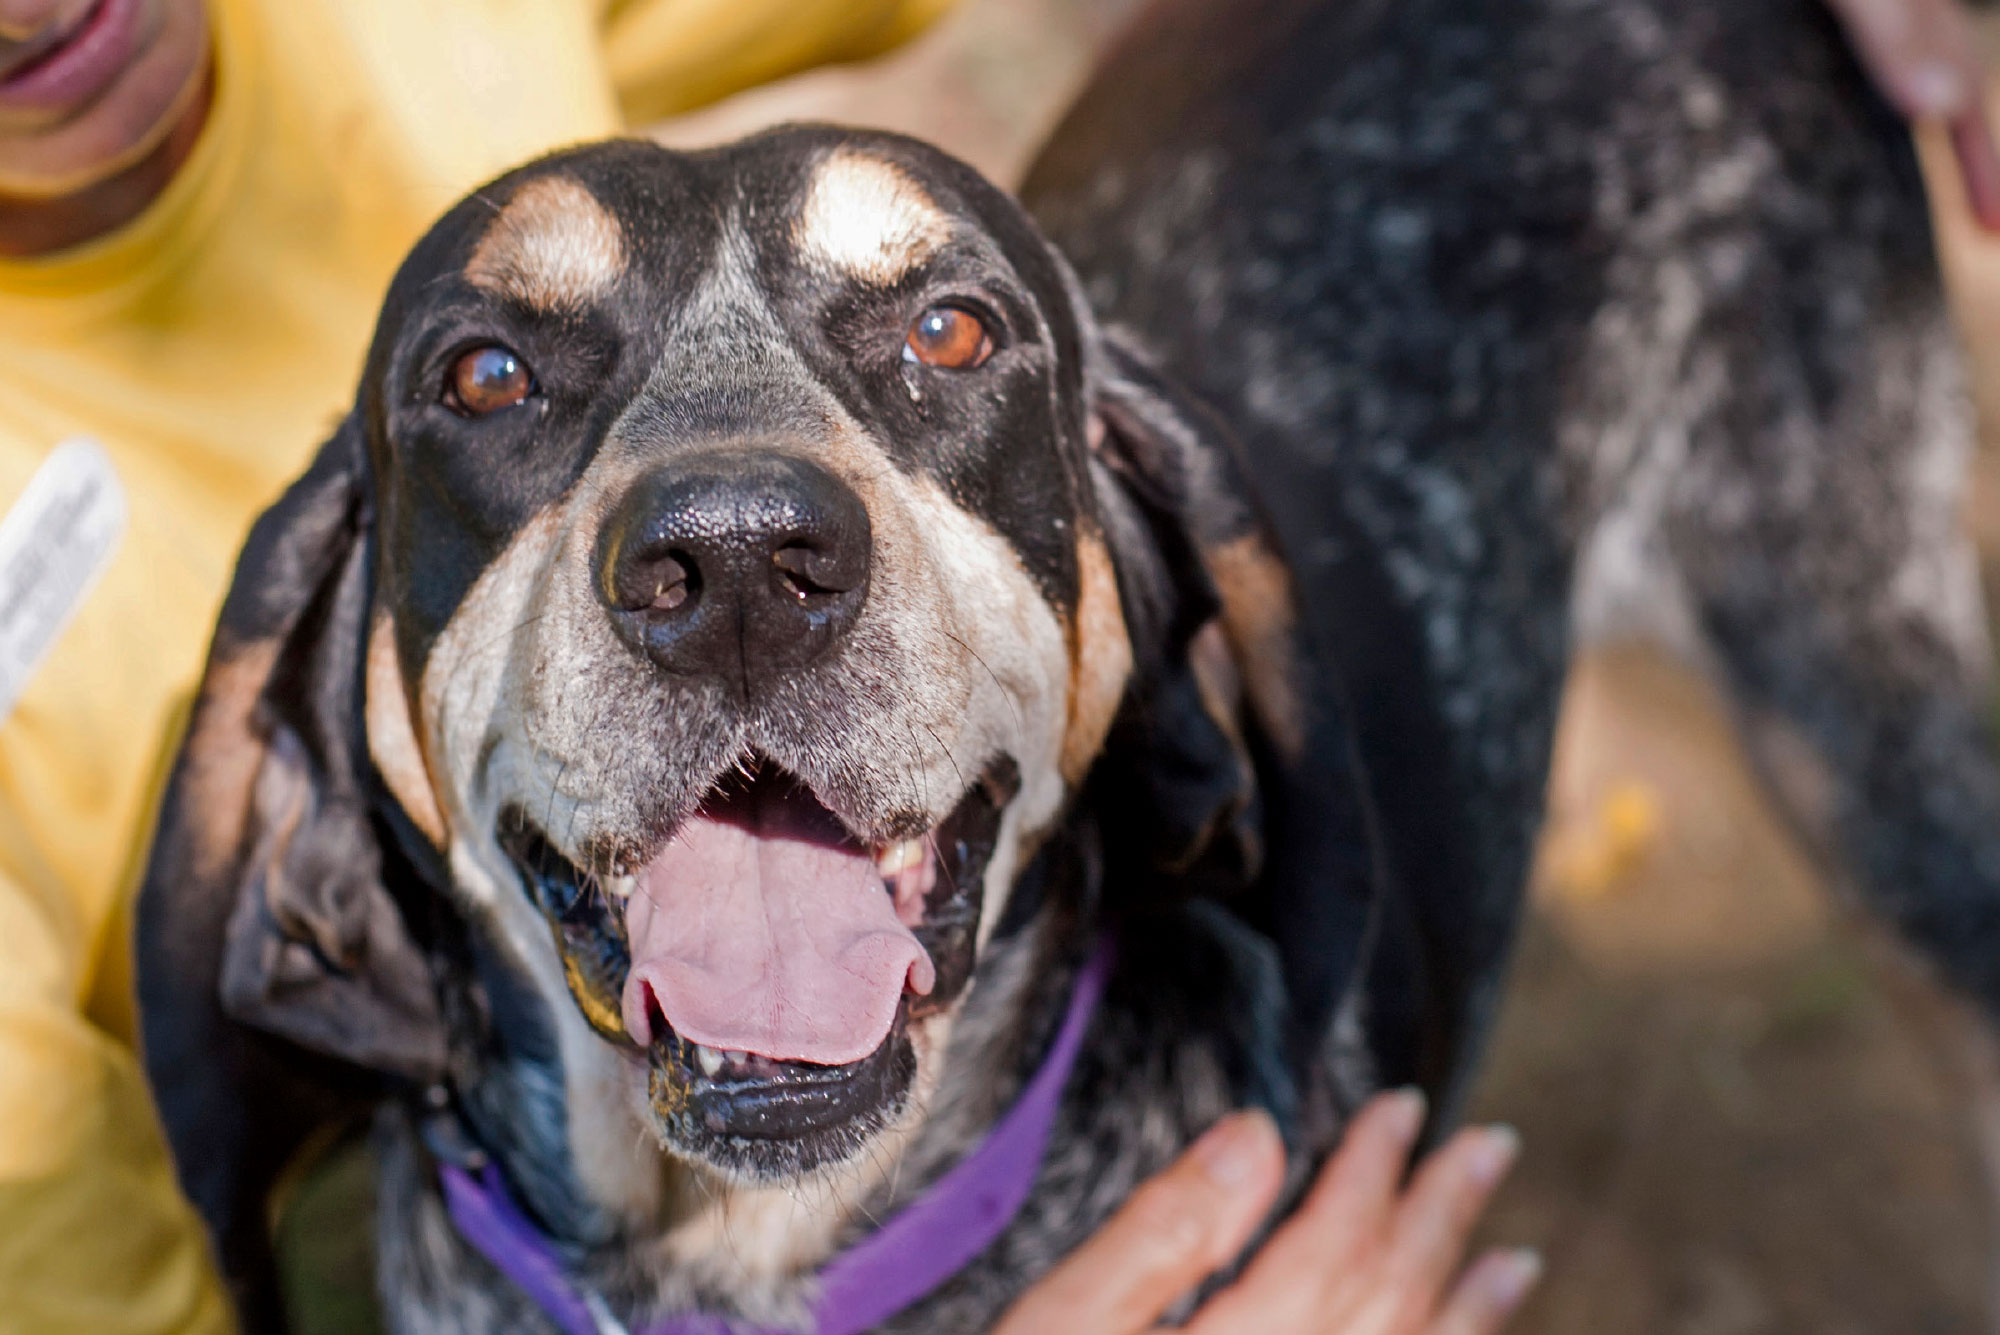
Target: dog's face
641 714
742 607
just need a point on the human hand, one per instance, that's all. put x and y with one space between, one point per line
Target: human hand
1363 1255
1922 57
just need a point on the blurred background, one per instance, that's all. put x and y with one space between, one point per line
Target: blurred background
1745 1110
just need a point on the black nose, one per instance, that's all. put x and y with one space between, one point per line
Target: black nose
738 566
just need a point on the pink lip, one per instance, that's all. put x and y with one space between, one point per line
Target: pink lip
82 65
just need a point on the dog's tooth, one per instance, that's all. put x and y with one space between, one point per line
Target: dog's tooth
900 857
708 1058
620 887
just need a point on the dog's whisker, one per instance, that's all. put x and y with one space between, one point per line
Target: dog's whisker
1020 723
949 757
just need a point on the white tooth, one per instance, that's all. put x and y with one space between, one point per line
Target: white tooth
620 887
731 1054
898 858
709 1058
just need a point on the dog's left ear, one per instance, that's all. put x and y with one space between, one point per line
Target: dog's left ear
1231 767
267 940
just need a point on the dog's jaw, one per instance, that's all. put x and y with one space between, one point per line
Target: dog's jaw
742 1104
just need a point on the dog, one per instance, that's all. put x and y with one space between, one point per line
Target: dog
770 641
706 641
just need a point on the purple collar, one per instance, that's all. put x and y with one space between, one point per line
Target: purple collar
920 1247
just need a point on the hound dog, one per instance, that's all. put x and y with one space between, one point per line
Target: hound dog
692 746
748 594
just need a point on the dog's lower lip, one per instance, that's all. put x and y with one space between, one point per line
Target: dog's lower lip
740 1096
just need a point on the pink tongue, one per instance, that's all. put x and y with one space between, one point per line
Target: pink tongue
757 933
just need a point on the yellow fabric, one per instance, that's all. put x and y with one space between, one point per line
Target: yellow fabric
208 347
658 71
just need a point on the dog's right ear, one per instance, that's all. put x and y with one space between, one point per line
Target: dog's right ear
267 941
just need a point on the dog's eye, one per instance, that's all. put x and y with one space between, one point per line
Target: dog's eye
948 336
487 379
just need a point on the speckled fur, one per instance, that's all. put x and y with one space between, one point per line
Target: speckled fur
1547 320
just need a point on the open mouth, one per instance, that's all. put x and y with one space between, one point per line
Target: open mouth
769 962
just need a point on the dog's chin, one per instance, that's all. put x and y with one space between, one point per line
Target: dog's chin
749 1116
761 1120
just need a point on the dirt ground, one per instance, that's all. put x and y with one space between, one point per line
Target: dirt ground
1745 1112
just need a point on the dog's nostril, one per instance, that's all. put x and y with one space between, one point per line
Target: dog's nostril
673 583
644 582
805 571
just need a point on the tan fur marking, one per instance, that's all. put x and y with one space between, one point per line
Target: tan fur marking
392 740
867 218
1100 658
1219 678
224 753
553 247
465 677
1258 616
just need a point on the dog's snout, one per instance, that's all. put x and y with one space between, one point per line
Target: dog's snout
738 566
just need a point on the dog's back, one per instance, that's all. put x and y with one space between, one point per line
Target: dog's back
1551 317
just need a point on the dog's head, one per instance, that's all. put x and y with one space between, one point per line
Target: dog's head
732 569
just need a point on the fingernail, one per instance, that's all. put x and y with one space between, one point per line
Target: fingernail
1495 1153
1933 90
1233 1150
1517 1273
1406 1112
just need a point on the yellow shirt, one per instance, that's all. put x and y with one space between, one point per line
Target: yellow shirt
208 347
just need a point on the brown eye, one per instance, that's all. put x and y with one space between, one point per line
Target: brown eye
487 379
950 337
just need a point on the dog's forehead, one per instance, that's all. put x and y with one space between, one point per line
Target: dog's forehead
563 232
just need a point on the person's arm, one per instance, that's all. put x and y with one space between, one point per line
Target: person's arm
669 56
1922 56
1364 1254
94 1233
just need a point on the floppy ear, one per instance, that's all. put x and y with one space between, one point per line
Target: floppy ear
1231 766
267 940
1176 770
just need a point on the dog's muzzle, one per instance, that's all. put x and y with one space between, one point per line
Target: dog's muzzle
769 963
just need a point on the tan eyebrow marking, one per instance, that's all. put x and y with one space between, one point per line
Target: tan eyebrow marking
553 247
868 218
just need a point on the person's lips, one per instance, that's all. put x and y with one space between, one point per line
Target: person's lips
79 64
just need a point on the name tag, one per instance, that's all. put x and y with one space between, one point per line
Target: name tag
54 544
